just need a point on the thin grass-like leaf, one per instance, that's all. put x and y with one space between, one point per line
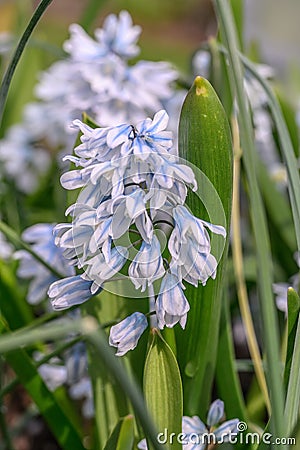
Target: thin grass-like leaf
271 333
293 364
286 146
293 302
18 53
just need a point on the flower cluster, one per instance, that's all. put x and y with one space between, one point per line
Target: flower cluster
131 210
97 77
40 238
197 436
70 370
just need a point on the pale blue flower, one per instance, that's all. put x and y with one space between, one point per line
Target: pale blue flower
125 335
69 292
53 373
97 79
41 239
100 270
196 435
171 171
117 36
197 431
76 359
189 245
23 158
215 413
202 63
6 249
147 136
83 390
171 304
6 43
132 183
147 265
226 429
281 289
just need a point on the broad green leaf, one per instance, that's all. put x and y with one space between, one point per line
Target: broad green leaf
128 385
205 141
122 437
162 387
293 302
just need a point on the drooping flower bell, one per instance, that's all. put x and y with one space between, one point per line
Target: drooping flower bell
132 185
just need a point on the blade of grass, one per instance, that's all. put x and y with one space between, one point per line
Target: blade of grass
58 351
239 270
18 53
271 334
122 437
89 328
286 145
292 320
66 434
228 384
293 394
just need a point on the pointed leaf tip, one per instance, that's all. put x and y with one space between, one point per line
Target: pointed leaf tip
200 84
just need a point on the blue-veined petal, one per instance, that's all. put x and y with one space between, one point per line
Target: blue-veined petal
69 292
227 429
171 304
126 334
215 413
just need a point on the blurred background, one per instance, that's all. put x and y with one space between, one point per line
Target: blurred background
172 30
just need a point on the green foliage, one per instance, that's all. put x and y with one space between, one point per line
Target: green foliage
122 437
205 141
162 387
181 371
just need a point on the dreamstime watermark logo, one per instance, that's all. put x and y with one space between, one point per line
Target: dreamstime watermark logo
240 436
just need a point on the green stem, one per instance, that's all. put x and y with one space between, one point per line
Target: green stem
258 221
18 53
